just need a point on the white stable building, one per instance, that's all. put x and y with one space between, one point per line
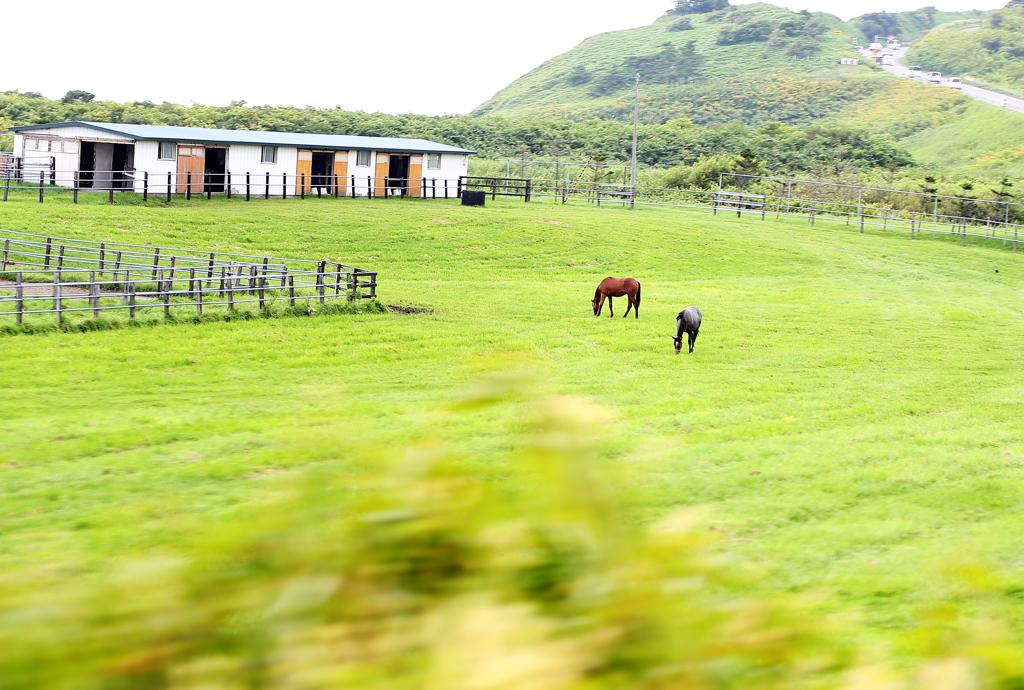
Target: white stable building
102 155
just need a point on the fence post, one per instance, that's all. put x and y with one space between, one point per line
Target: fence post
169 187
74 191
528 190
117 263
814 206
188 186
7 248
49 243
19 298
156 260
458 188
145 185
291 290
353 187
191 282
57 306
227 183
231 293
913 216
320 279
248 189
165 293
284 185
131 299
42 184
266 188
7 185
199 298
207 187
94 295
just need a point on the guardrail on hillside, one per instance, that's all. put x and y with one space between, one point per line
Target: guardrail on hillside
44 274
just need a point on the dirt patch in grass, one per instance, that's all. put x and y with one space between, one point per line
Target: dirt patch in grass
405 309
45 289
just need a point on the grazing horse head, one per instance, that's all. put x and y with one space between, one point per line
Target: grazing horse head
679 344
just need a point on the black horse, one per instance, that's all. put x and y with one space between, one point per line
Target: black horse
687 322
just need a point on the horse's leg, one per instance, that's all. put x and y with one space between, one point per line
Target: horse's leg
636 303
630 306
600 304
611 314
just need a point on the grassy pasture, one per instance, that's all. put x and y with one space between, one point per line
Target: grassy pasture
849 423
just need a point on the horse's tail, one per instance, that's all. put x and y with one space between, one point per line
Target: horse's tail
638 293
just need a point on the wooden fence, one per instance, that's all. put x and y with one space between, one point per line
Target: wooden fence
48 275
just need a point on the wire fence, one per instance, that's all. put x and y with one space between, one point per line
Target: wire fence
46 275
809 201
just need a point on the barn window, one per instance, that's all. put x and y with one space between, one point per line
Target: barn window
167 149
433 161
269 154
363 159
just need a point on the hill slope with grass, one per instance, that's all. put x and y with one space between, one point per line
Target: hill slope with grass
750 63
994 53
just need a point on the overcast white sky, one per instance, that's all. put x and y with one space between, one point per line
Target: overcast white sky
396 56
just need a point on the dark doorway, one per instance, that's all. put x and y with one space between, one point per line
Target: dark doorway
122 159
86 164
322 171
398 174
215 179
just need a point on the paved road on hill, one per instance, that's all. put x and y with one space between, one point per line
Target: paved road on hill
993 97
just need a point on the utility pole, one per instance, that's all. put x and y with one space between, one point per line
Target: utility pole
636 122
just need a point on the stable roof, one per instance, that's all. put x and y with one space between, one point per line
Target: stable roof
201 135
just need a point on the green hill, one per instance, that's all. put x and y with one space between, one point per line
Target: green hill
994 53
752 63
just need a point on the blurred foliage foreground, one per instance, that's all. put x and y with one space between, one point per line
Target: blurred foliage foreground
451 571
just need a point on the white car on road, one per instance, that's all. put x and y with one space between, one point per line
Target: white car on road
955 83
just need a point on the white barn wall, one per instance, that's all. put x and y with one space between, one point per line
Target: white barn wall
361 172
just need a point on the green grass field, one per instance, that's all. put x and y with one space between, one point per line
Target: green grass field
849 425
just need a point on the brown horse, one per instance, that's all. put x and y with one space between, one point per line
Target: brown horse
617 287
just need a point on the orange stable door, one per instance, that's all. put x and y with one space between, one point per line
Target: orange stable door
383 168
191 159
416 176
341 171
304 172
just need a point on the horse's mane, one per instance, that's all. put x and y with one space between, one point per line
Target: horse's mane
597 293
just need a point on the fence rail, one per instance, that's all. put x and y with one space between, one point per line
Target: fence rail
813 210
43 275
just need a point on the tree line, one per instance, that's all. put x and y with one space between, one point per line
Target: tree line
678 141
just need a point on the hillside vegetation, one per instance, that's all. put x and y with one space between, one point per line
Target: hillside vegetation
751 64
994 53
661 146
